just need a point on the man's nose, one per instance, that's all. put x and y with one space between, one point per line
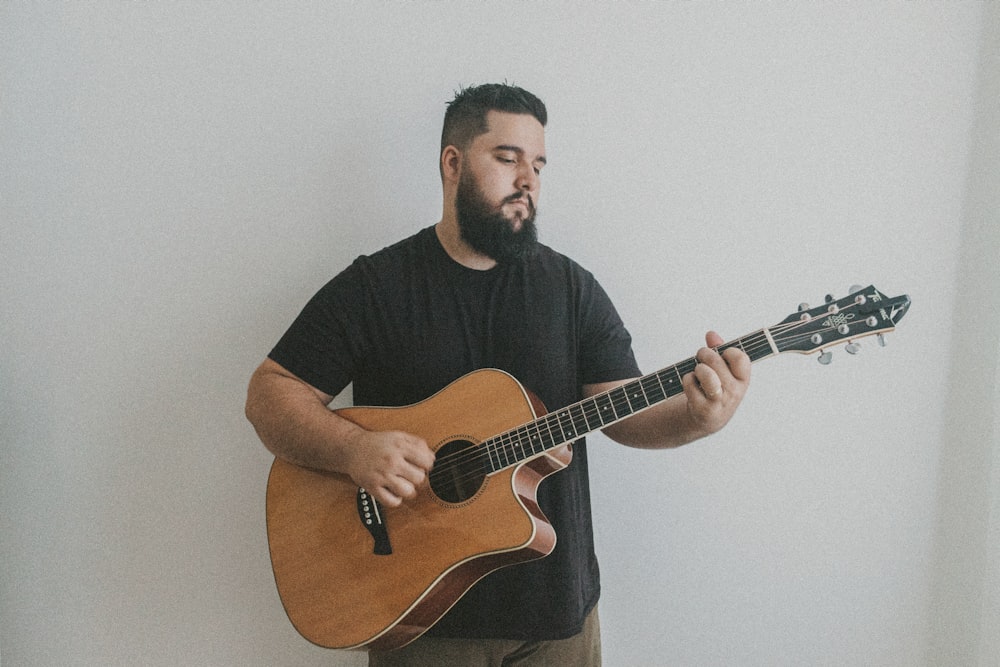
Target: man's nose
527 179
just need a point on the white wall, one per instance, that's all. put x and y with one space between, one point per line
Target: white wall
966 598
177 178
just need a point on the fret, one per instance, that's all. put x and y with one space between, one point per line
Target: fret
619 400
491 450
686 367
579 418
670 381
566 425
677 372
534 437
561 435
514 448
502 457
605 408
592 413
634 396
505 451
549 436
652 389
537 441
527 445
517 445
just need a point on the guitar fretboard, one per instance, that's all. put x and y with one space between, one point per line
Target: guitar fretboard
577 420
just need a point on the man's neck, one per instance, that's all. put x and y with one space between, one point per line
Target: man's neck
451 239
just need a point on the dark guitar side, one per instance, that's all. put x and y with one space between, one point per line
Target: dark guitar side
338 593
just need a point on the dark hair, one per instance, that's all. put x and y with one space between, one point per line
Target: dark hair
465 118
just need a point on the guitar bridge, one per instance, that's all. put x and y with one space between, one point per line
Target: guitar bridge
371 517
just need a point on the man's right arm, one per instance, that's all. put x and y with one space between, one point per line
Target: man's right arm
293 421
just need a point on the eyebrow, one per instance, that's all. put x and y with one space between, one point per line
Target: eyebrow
519 151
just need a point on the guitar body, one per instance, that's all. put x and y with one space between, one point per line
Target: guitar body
339 592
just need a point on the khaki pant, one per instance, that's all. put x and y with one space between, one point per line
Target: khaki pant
582 650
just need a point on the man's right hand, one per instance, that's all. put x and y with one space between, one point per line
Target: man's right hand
293 421
390 465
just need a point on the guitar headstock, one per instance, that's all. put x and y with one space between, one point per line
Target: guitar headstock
864 312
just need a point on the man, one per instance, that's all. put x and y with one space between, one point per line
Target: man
477 290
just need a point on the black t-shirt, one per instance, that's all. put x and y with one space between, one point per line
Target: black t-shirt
403 323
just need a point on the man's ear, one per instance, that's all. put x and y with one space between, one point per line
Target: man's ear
451 163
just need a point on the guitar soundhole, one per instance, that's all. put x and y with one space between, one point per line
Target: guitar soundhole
459 471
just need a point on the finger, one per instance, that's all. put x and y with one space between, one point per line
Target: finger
701 382
732 365
692 389
403 488
414 475
735 359
738 362
420 455
710 360
709 381
387 497
413 450
399 486
394 491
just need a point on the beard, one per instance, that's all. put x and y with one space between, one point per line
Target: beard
487 230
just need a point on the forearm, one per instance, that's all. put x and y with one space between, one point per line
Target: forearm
294 424
293 421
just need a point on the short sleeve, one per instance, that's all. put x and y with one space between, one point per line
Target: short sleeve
326 342
605 344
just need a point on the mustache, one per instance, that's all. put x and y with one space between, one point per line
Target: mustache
520 196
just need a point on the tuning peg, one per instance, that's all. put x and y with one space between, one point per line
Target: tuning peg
829 298
825 358
881 340
803 306
853 348
855 288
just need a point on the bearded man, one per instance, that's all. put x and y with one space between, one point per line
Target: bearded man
477 290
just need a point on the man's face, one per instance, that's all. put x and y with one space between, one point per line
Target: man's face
499 184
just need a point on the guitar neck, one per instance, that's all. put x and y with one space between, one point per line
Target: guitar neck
591 414
865 312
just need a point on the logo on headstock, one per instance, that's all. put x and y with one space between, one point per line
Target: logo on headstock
838 319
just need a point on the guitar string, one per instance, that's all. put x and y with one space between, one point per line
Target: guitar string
509 445
549 428
505 443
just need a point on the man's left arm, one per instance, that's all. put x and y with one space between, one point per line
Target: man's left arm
712 392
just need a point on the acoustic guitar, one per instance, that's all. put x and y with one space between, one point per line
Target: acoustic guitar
353 574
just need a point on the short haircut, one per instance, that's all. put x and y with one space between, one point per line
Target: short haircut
465 118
